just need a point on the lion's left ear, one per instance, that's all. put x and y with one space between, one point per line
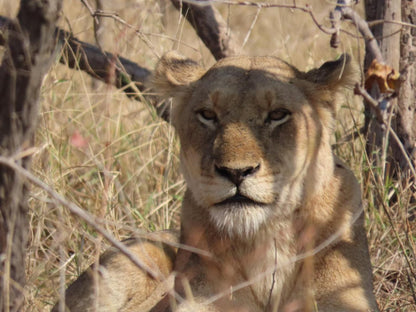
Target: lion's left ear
340 73
332 78
173 74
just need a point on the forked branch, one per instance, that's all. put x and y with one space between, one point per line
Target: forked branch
343 10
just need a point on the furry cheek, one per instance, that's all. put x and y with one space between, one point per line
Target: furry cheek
206 190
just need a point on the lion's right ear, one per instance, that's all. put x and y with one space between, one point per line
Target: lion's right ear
173 74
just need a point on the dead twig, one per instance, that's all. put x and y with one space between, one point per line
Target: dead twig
343 10
300 257
90 9
264 5
375 106
251 27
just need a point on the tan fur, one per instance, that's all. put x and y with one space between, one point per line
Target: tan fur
121 286
278 215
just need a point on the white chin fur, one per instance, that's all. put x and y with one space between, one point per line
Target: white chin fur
239 220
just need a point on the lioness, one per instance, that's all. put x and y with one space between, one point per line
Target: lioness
277 217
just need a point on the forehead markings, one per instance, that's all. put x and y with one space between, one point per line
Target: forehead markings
242 79
269 99
264 98
214 98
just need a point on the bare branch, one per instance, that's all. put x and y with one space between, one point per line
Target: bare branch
89 58
370 42
251 28
210 27
77 54
301 256
343 10
90 9
265 5
375 106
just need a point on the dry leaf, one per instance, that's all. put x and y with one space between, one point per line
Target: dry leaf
386 77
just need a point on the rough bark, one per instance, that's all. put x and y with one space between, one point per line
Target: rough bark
29 43
406 118
210 27
387 34
397 47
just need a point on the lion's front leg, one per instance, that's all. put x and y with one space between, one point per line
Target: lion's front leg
343 278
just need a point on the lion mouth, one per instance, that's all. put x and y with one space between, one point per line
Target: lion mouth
239 201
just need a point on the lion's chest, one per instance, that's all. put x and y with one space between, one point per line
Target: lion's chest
252 280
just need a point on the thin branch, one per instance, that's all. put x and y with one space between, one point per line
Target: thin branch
359 90
90 9
251 28
117 18
403 150
307 254
380 118
264 5
370 42
81 213
343 10
381 21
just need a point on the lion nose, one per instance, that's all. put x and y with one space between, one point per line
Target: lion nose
237 175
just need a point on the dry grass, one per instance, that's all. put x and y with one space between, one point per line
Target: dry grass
116 159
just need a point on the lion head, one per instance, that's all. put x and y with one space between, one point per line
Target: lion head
255 135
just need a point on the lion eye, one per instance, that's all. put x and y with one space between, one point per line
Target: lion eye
207 114
278 116
207 117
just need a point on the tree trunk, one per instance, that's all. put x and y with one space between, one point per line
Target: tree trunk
406 111
29 44
397 44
